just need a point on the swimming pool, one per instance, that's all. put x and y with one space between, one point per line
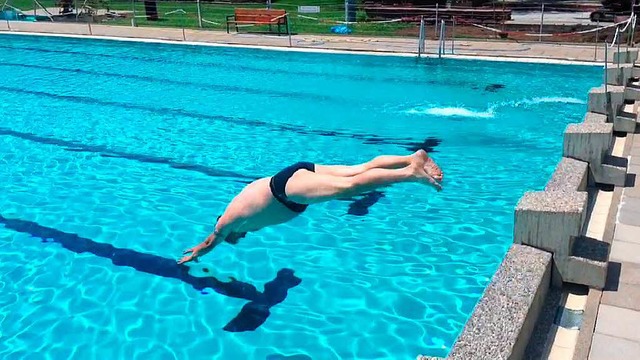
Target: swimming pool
118 156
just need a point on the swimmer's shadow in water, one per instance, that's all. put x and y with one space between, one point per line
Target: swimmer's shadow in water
360 204
252 315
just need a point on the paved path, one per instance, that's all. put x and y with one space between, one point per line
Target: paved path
532 50
617 332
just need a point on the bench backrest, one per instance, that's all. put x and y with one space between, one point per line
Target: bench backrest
260 16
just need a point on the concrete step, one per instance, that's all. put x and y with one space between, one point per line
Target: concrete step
632 91
625 124
587 264
591 117
628 108
626 119
611 172
606 100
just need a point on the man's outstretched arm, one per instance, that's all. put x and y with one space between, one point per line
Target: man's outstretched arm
203 248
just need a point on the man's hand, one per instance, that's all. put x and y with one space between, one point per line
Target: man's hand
193 256
200 249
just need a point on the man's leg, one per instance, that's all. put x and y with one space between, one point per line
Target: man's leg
382 162
306 187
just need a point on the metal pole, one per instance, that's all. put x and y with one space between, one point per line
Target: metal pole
424 37
595 52
346 11
420 35
75 7
133 7
435 24
618 49
502 16
453 34
34 8
444 38
199 14
541 23
90 31
288 30
630 28
606 54
440 43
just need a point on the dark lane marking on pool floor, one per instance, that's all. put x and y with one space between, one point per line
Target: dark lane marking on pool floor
215 87
406 143
251 316
235 67
104 151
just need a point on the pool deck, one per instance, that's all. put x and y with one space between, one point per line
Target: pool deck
505 50
615 334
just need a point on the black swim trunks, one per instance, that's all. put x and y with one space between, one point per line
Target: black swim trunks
279 181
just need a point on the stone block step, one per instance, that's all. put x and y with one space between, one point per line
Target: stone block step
613 171
550 220
626 119
570 175
587 264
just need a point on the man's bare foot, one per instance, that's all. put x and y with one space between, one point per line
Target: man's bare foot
433 169
419 166
429 165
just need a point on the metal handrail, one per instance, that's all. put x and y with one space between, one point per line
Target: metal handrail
441 39
421 36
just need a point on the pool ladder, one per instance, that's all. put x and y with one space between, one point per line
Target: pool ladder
441 38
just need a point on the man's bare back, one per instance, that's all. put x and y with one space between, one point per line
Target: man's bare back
284 196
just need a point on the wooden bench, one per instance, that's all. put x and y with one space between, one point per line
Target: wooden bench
258 17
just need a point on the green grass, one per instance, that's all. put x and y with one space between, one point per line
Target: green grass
331 11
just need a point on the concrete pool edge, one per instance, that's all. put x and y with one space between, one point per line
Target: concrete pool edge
215 39
509 308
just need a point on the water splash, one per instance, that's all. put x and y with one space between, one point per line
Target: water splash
460 111
453 111
550 99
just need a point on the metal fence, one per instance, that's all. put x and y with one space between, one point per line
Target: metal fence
320 17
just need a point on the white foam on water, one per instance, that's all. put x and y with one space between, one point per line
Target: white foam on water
452 111
459 111
551 99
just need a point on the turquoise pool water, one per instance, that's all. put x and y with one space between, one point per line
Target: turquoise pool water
117 156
